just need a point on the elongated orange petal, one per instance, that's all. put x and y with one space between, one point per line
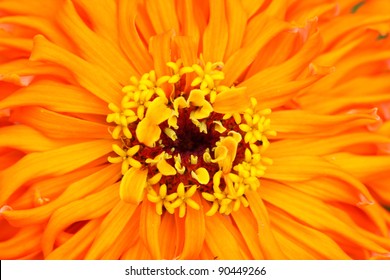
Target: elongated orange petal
126 239
92 78
233 100
129 38
237 19
94 48
137 252
78 244
292 123
162 15
168 236
308 239
270 247
133 184
56 162
215 36
245 221
228 247
56 125
26 241
297 203
149 229
67 98
107 26
75 190
313 146
238 62
42 25
91 207
300 168
160 48
14 137
194 231
110 229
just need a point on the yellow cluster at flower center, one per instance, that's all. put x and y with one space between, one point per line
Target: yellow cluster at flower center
186 134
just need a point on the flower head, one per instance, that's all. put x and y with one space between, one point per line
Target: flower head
194 129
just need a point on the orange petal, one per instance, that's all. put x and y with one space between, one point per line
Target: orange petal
160 48
95 49
167 236
162 15
239 61
52 162
301 168
78 244
245 221
235 100
76 189
133 184
110 228
223 239
296 123
237 18
268 243
126 239
107 26
91 207
189 24
92 78
68 98
325 146
252 6
313 242
57 125
26 241
14 137
149 229
307 210
194 231
129 38
137 252
215 37
42 25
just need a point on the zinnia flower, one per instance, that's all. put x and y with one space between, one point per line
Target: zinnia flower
221 129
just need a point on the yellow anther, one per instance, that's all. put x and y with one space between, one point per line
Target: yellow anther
217 181
174 66
201 125
206 156
170 133
208 196
219 127
193 159
180 169
213 209
201 175
185 70
198 70
155 179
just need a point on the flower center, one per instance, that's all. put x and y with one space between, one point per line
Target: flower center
184 134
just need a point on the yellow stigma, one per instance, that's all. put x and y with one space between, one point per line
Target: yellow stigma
185 137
